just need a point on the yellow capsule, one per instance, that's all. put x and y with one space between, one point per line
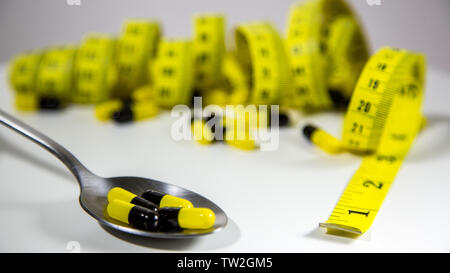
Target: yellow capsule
196 218
136 111
144 109
201 131
240 139
121 194
26 102
118 193
105 110
166 219
323 140
166 200
119 210
142 93
217 97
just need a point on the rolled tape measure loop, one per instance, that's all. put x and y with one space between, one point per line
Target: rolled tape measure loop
326 49
383 118
208 49
233 86
260 51
136 48
22 77
173 72
95 72
55 73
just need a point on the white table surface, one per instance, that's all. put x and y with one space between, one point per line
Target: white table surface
274 200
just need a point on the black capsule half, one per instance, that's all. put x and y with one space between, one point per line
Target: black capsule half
283 120
308 131
143 218
124 115
136 216
49 103
144 203
339 100
153 196
168 219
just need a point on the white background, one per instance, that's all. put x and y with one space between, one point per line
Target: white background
274 200
27 24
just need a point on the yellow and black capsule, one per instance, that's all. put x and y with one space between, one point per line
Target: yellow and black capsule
105 110
322 139
126 196
50 103
171 218
166 200
31 102
206 133
166 219
134 215
135 110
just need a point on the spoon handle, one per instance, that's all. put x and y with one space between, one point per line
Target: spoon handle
74 165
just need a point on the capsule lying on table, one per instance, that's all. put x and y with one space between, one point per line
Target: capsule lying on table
135 111
322 139
166 219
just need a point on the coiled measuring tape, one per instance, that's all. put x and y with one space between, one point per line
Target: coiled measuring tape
95 71
137 48
233 88
326 51
44 79
23 74
173 71
261 53
383 119
208 50
55 75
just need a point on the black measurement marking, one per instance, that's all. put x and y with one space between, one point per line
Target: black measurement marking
399 137
168 71
382 66
359 212
364 106
374 83
204 37
357 128
202 58
266 72
299 70
369 183
302 90
264 52
264 94
165 92
389 158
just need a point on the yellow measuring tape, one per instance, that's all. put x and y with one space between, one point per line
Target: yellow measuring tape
95 71
208 50
54 78
173 71
23 74
137 47
382 119
326 51
260 51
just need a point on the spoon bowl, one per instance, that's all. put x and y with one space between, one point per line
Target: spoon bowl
93 200
94 189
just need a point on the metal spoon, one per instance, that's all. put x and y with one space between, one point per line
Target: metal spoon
94 189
